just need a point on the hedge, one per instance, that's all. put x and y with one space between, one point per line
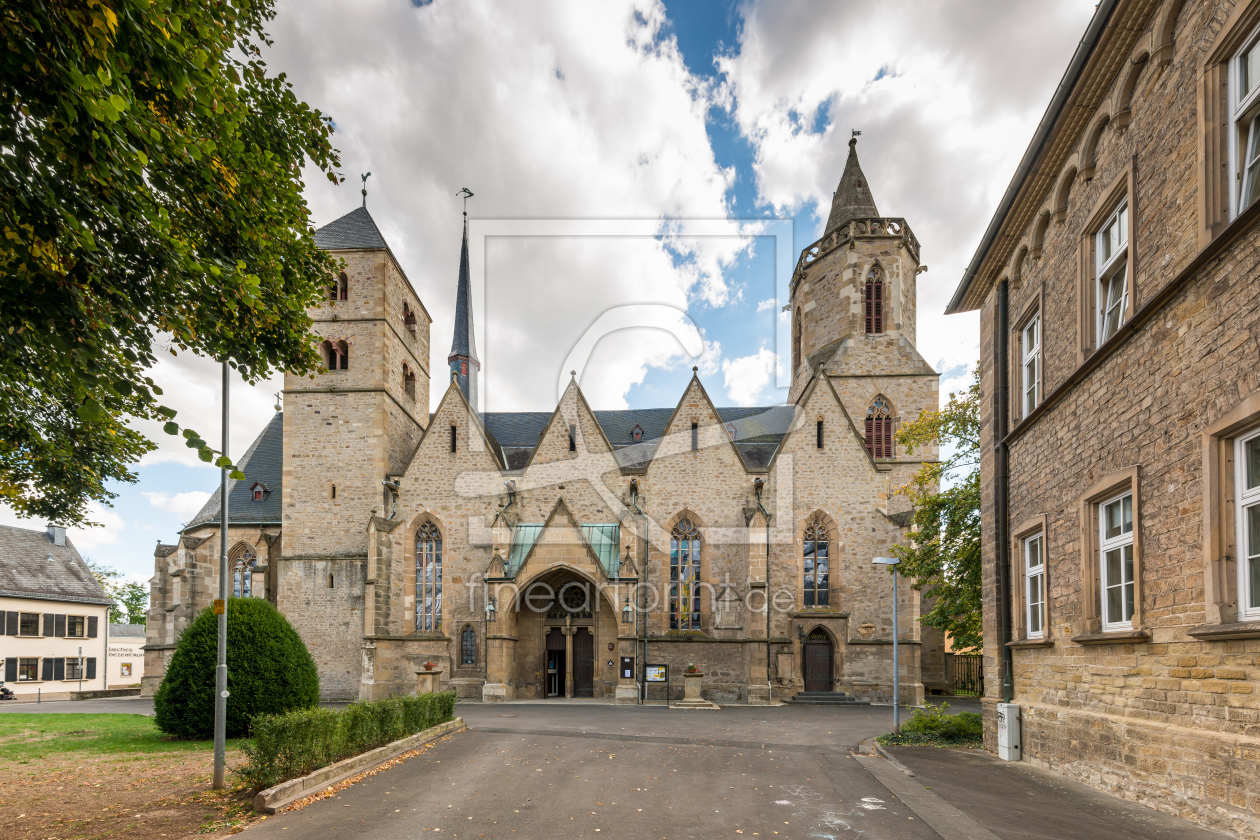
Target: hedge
290 745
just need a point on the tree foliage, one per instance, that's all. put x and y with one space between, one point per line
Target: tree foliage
150 201
131 600
944 561
270 671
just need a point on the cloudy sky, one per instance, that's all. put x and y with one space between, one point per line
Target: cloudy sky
675 154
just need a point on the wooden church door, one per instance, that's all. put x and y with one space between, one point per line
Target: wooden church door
818 662
583 663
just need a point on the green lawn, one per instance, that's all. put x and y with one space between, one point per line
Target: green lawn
35 736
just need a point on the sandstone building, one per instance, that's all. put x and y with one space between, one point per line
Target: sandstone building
532 555
1117 290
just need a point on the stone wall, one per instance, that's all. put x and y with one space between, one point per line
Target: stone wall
1157 715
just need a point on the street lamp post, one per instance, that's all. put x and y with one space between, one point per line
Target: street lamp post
893 561
220 607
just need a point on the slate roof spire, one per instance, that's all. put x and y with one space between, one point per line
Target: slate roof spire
463 359
852 199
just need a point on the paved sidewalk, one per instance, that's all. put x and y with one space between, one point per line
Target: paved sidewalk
1016 801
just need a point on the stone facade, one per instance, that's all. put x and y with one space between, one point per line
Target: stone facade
1163 706
527 511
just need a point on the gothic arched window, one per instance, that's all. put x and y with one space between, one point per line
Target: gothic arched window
242 581
796 342
817 564
468 646
343 356
429 578
874 299
684 577
343 287
879 439
409 381
409 319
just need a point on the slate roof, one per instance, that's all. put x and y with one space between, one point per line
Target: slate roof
32 566
464 341
126 631
852 199
354 231
758 431
263 461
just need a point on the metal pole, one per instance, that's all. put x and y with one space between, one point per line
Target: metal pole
220 673
896 664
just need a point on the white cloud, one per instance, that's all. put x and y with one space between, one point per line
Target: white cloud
946 108
766 305
748 377
184 505
85 540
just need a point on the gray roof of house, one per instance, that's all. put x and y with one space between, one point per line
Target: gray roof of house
352 232
32 566
126 631
758 431
262 462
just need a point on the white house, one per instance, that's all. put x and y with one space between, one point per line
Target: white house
126 655
55 616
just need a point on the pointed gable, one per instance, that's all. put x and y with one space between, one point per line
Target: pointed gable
475 447
562 539
841 435
355 231
589 438
710 431
852 199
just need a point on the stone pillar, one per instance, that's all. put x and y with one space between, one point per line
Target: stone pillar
428 682
691 685
502 653
568 659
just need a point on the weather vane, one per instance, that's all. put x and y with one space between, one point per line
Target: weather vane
467 194
855 132
364 178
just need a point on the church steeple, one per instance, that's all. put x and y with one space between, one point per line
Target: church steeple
852 199
463 359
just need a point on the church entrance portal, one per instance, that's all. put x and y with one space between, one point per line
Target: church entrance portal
556 666
583 663
818 662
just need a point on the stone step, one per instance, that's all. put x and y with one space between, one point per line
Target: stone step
826 698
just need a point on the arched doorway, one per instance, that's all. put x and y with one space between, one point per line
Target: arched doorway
818 656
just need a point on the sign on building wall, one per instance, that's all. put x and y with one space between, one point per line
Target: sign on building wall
657 673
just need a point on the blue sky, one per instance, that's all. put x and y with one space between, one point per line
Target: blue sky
632 110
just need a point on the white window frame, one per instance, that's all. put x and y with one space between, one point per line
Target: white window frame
1106 269
82 627
22 659
78 664
1119 542
1248 499
1038 573
1244 129
1031 344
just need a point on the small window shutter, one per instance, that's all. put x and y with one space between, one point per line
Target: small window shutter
10 669
870 436
879 307
60 629
91 668
11 624
92 624
48 670
59 669
870 308
50 624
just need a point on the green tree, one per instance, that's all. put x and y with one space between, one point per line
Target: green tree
134 598
150 201
269 671
944 560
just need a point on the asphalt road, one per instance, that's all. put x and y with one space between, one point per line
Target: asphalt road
540 771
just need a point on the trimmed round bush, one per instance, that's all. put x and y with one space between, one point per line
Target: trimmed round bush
269 671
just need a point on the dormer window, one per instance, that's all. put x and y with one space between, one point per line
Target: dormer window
637 433
259 491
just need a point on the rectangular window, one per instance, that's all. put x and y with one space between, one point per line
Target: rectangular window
1244 100
28 624
76 627
819 439
28 669
572 438
1034 586
1111 251
1115 557
74 666
695 436
1247 461
1032 364
452 438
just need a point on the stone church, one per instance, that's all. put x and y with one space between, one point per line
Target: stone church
573 553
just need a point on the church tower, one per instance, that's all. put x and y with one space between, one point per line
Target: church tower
852 295
463 361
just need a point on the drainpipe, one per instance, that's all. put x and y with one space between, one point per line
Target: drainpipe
640 620
758 484
1000 487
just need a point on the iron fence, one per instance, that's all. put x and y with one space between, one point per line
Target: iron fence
965 672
